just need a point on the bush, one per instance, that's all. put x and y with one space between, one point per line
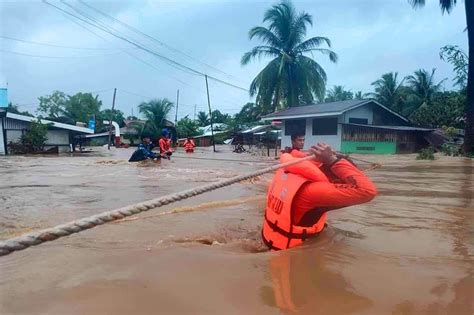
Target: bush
426 154
451 149
32 141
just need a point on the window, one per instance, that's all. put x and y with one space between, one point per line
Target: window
325 126
295 126
360 121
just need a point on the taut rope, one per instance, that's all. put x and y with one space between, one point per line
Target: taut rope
46 235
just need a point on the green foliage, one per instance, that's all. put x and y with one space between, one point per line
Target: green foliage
53 106
423 86
387 91
15 110
426 154
460 62
451 149
445 109
218 117
32 140
69 109
117 116
186 127
81 106
203 119
337 93
155 112
249 114
291 78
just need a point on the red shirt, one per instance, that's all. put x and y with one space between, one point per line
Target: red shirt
164 145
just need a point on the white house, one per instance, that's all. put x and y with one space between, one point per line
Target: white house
352 126
12 127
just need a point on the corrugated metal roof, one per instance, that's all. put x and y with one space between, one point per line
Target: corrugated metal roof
53 123
324 109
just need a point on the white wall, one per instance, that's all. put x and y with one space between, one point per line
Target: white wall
57 137
2 147
13 135
364 112
334 141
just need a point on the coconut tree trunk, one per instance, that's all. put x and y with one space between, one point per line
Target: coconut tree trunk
469 131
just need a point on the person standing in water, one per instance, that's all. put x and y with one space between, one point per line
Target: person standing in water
300 195
164 143
189 145
297 143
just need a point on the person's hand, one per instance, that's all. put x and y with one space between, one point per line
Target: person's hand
323 153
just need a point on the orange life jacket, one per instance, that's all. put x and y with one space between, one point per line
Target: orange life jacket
279 230
189 145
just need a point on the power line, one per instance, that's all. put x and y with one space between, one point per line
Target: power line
153 38
53 45
138 45
57 57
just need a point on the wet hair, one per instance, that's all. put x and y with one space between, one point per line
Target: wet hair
296 135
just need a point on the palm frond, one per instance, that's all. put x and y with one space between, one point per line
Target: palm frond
266 36
258 52
312 43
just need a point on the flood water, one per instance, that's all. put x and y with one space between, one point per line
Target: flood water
409 251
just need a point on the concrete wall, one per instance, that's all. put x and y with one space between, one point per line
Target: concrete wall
364 112
2 147
13 135
333 140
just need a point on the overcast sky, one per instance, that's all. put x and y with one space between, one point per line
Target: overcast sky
371 37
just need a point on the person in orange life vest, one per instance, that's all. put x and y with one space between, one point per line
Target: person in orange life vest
189 145
297 143
165 147
299 196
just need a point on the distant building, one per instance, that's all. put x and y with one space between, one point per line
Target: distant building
13 126
353 126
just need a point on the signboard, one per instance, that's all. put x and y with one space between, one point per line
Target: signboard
92 124
3 97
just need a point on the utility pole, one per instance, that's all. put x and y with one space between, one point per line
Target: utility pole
210 114
194 117
177 103
110 120
132 111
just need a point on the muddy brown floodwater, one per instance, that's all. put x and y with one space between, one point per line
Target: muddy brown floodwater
409 251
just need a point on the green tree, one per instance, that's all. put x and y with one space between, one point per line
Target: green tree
15 110
359 95
423 86
445 109
155 112
337 93
186 127
203 119
249 114
291 78
117 116
218 117
52 106
387 91
447 6
459 59
81 106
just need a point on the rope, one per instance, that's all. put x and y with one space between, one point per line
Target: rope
32 239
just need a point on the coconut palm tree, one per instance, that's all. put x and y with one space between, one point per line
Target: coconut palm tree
203 119
291 78
387 91
337 93
447 6
423 86
155 112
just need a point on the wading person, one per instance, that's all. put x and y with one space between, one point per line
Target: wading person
144 151
189 145
165 145
297 143
300 195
